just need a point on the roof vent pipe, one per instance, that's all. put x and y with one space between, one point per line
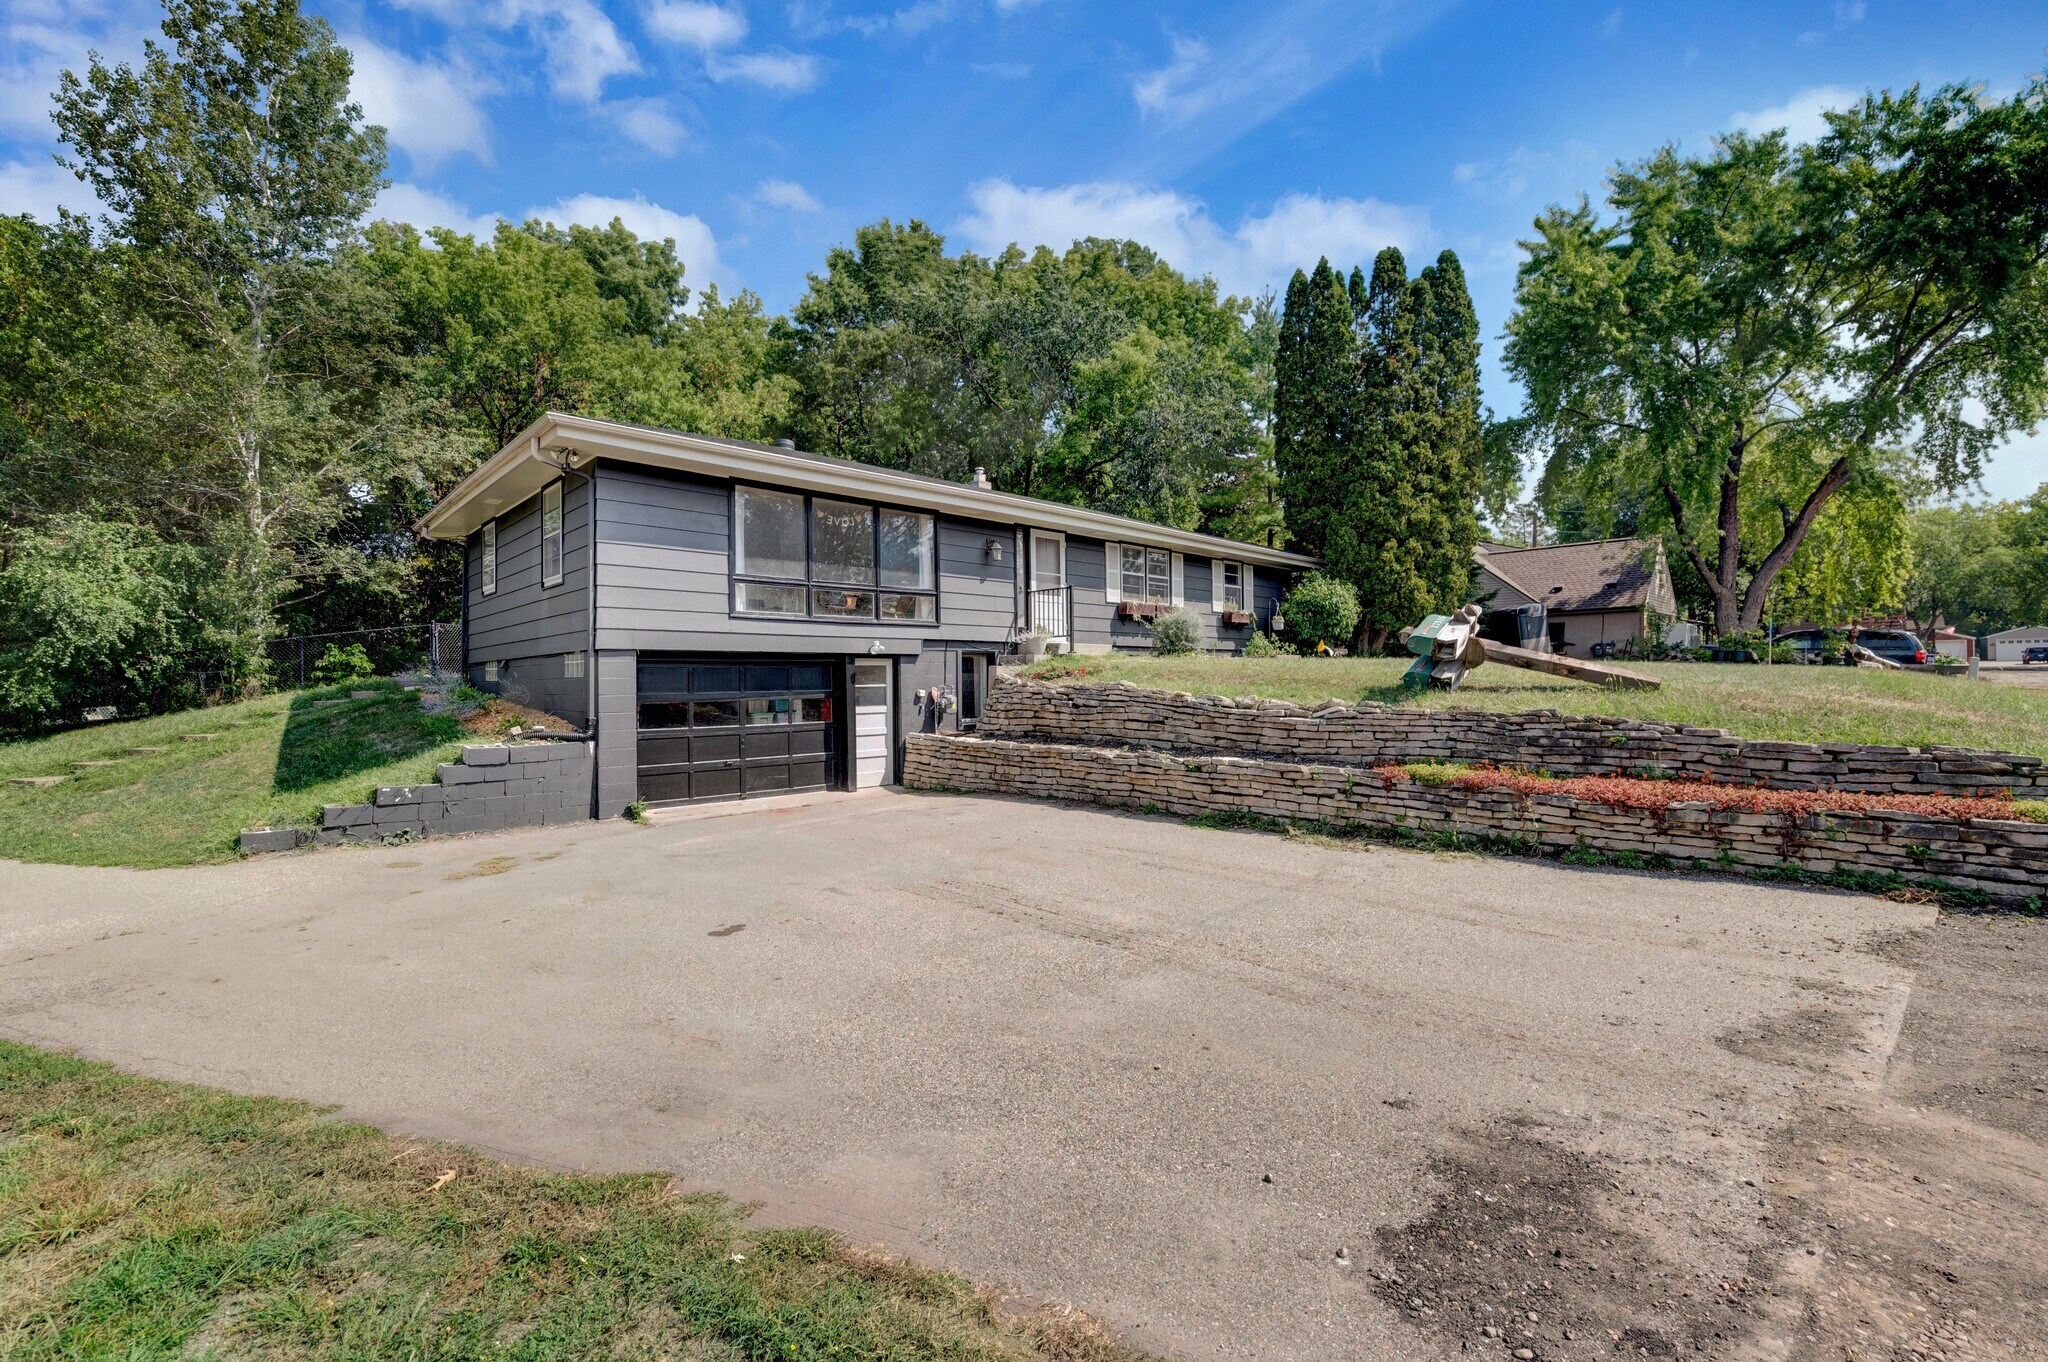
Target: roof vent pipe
785 443
980 479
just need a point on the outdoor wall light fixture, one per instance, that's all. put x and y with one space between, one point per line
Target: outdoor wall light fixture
995 550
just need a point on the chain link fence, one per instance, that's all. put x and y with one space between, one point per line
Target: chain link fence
428 646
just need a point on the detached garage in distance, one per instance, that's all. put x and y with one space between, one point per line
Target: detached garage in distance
732 620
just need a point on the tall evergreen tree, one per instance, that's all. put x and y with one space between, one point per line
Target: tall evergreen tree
1313 406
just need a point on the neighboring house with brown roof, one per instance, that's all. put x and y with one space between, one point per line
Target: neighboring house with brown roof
1603 591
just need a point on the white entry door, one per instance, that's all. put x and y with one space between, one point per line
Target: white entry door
1048 598
870 724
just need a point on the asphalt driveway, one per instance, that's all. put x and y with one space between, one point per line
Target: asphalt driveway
1223 1088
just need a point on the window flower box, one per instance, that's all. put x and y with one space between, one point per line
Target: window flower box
1141 610
1237 619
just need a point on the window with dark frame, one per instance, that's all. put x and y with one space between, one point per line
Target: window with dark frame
824 558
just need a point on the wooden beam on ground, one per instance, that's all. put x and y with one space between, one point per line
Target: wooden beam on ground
1593 673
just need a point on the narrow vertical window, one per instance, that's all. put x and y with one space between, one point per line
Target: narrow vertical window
489 569
551 535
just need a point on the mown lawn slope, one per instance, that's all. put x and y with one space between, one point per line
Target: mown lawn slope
1785 704
272 761
141 1219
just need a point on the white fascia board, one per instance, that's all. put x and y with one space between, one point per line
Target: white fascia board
461 512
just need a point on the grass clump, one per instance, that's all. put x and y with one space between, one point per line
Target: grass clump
1783 704
147 1219
271 762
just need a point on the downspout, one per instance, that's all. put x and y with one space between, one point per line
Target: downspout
589 617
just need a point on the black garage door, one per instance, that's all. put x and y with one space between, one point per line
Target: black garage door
733 730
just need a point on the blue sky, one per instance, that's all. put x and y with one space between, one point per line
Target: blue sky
1238 140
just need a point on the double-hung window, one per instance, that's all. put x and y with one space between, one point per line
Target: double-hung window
1230 589
829 559
551 535
1147 574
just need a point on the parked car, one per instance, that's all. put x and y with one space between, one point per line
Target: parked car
2037 653
1893 645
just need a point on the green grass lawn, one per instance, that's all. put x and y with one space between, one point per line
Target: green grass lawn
1798 704
141 1219
273 761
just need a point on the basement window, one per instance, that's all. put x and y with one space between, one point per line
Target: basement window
572 665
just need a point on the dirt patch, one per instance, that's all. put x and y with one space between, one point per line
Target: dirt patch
499 717
490 865
1527 1249
1920 1210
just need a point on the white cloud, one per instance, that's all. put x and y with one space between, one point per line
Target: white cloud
1507 178
1013 6
909 21
1610 27
432 111
787 195
37 41
649 123
41 188
695 246
694 23
786 72
423 208
1259 253
1799 116
1174 92
582 46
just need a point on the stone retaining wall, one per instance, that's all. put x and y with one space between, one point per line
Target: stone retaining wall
490 788
2007 861
1372 734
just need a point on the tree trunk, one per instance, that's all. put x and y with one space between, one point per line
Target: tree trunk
1759 592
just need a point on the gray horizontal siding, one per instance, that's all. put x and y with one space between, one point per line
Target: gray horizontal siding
522 618
664 577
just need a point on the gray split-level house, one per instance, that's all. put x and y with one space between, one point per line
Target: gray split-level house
733 620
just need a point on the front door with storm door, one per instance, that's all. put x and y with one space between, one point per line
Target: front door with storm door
1048 586
735 730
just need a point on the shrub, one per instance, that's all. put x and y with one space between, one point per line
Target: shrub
1263 644
337 663
1321 609
1177 631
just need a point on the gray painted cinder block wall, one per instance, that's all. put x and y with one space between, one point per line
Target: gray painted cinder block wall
489 789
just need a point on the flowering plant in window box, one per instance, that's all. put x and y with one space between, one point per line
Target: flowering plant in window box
1236 616
1141 610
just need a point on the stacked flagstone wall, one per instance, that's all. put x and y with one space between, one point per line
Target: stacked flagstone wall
1372 734
2007 861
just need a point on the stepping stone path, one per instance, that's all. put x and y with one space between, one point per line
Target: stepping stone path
197 737
144 751
37 782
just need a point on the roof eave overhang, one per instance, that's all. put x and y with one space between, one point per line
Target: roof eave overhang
538 453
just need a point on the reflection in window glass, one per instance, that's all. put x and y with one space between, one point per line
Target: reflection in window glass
771 534
837 603
717 713
905 606
906 550
768 598
664 714
842 542
715 680
814 709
